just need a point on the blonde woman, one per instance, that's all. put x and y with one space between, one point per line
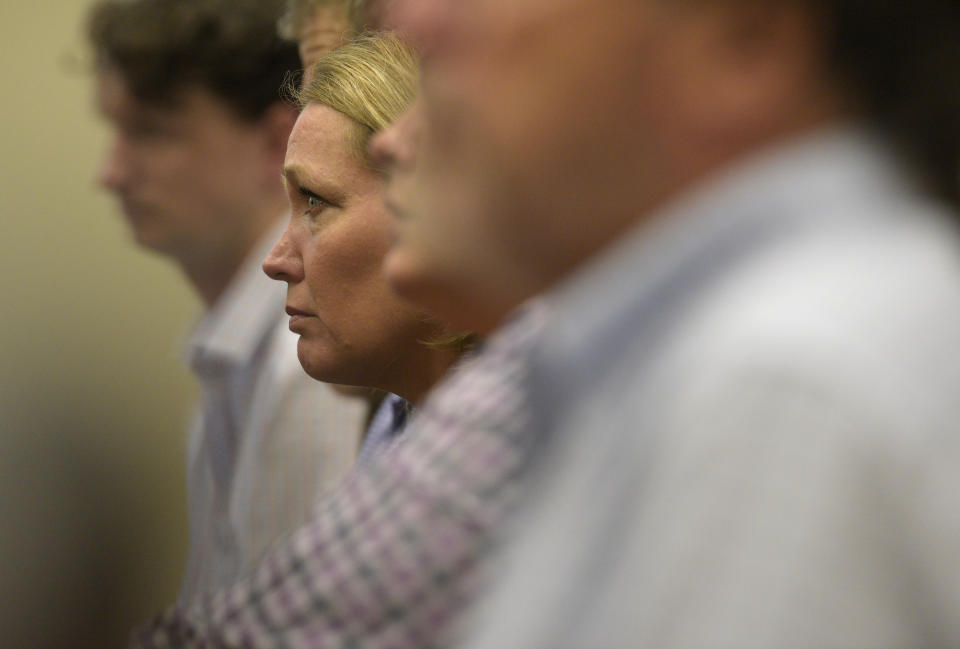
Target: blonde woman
353 329
393 555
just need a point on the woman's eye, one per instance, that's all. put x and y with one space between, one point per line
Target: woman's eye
314 202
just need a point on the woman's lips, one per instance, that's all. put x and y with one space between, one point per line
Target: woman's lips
297 316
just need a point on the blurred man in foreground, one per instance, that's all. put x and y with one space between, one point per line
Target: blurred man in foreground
190 89
744 217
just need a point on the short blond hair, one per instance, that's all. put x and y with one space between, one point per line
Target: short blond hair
372 79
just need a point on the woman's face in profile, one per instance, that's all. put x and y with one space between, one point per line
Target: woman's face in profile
353 329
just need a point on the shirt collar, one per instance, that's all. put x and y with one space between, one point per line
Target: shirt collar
808 178
229 332
829 177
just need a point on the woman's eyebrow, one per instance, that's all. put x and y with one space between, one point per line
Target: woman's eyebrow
297 176
291 174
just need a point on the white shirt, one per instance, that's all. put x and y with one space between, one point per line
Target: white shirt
267 439
758 443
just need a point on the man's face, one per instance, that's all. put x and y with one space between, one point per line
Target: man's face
547 126
419 265
185 175
321 33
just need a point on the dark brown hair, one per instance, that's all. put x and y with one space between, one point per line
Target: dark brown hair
901 60
228 47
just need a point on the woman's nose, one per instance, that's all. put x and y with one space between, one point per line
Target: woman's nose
283 263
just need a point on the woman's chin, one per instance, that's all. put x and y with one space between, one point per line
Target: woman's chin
318 363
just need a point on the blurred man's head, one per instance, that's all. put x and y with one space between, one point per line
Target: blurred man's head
191 89
554 125
317 26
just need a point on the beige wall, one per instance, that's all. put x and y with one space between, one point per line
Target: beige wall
93 399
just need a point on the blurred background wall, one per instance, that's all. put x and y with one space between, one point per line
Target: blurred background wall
93 398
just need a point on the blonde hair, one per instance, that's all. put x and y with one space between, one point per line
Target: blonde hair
371 80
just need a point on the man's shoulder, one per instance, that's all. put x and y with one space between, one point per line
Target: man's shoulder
885 289
843 347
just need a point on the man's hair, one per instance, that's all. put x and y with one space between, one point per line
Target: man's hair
371 80
901 59
228 47
298 14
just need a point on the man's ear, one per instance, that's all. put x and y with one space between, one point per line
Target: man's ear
761 70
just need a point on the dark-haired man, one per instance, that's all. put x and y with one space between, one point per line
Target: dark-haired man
191 91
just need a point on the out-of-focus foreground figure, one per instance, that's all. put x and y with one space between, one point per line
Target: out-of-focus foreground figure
191 90
744 217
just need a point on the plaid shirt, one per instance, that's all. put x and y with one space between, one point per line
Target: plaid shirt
391 556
